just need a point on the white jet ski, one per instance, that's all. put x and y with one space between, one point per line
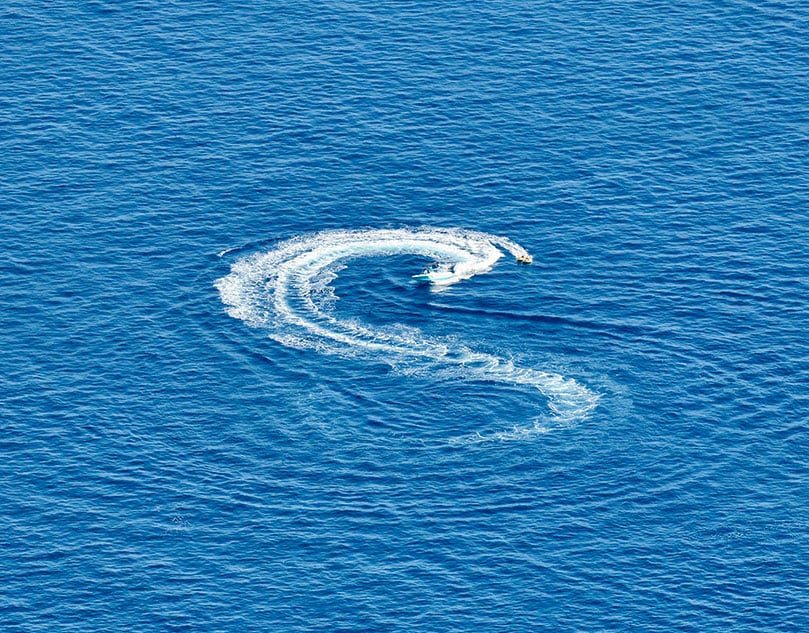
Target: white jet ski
437 274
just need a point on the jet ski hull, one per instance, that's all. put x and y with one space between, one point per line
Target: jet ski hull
434 277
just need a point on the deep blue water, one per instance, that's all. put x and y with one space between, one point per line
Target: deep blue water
165 466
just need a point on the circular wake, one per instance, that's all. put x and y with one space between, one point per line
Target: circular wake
287 292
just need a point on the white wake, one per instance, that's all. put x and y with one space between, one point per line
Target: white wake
287 292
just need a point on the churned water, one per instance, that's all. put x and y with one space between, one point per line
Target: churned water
227 405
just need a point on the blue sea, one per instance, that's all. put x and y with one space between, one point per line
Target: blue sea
227 405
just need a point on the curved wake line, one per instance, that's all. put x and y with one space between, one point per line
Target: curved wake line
287 292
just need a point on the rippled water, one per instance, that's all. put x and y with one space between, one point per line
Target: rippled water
613 438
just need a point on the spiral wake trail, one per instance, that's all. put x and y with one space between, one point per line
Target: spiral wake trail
286 291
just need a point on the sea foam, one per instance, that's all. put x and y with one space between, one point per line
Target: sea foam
287 292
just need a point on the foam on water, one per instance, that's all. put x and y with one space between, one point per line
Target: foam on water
287 292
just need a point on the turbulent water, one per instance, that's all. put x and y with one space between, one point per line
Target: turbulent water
282 291
228 405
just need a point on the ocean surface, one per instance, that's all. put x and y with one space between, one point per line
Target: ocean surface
227 405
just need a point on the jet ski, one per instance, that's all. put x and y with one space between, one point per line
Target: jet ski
436 274
525 259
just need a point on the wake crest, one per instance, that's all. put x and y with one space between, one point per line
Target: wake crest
286 291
